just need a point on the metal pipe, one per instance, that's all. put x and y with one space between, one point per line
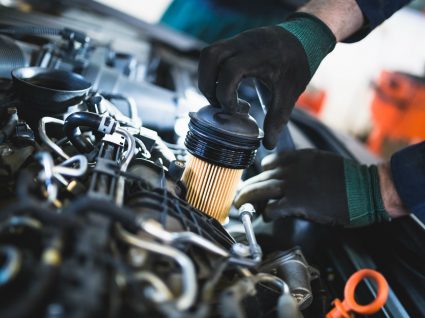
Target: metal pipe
156 230
131 148
188 295
43 135
46 161
246 211
268 278
163 293
127 157
72 172
61 170
142 145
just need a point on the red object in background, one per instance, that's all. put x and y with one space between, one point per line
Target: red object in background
398 109
349 306
312 100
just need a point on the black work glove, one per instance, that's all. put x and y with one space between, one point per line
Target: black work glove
318 186
283 57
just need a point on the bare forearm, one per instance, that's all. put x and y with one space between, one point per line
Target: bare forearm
343 17
390 197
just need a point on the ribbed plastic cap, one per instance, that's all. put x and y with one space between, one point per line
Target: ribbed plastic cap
224 139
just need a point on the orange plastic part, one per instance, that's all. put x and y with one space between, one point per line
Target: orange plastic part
349 306
398 109
312 100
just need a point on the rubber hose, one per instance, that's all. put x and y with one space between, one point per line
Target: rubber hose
43 214
34 296
27 204
31 30
81 119
11 56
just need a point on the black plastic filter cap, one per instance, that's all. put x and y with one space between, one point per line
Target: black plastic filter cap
220 138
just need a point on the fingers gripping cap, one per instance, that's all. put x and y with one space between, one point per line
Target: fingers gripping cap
228 140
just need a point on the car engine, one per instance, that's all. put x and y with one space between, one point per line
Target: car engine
97 219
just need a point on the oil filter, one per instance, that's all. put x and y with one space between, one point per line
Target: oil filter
220 146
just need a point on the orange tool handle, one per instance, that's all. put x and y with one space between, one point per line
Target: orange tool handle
349 306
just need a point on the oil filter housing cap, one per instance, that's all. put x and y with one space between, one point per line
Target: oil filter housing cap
220 145
220 138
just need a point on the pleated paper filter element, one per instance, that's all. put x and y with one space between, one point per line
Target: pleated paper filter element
221 146
212 188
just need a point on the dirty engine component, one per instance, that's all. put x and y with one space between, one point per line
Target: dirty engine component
98 216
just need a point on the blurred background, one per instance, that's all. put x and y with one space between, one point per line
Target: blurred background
373 89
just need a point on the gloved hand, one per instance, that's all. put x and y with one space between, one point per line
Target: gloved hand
318 186
283 57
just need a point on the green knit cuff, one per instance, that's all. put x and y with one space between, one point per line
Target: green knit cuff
365 205
380 213
314 35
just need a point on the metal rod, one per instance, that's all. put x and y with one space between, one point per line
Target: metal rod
246 211
46 161
162 292
72 172
189 283
127 157
43 135
156 230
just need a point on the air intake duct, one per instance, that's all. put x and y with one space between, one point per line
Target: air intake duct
221 146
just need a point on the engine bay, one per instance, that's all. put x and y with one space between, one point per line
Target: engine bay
95 218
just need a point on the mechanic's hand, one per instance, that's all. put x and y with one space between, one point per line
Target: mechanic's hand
283 57
318 186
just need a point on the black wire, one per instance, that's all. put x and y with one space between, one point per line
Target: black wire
179 210
158 206
195 220
192 215
163 218
206 230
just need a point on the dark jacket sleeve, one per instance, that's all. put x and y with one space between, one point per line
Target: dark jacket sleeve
375 12
408 172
